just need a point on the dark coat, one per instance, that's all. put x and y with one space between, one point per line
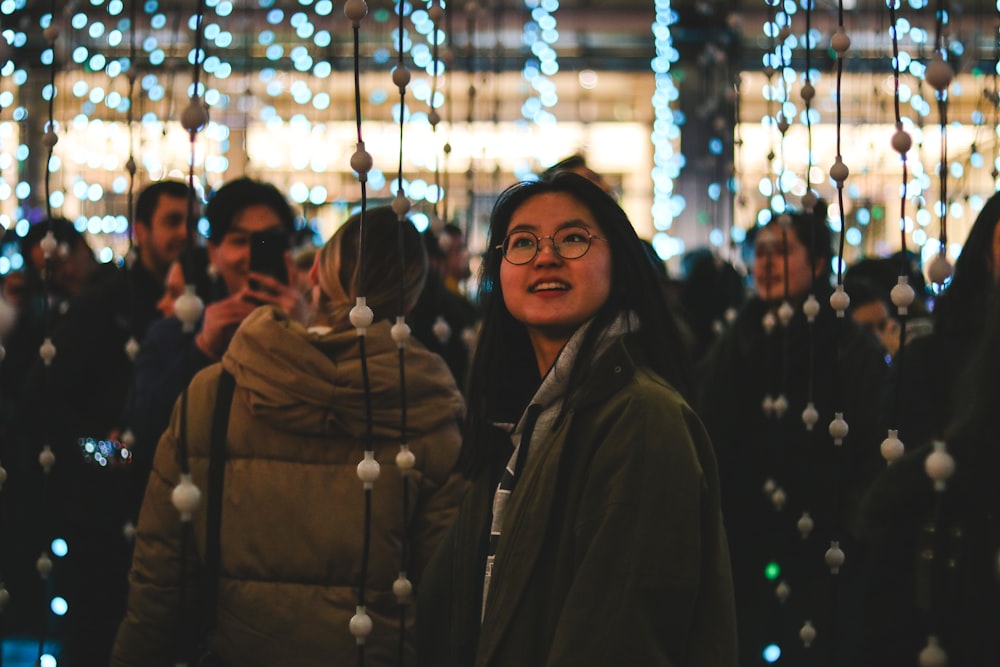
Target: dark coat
816 476
167 360
87 385
612 552
933 559
919 393
74 405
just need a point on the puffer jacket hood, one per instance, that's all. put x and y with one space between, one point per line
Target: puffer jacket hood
310 382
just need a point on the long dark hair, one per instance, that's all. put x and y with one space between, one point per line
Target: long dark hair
960 308
504 370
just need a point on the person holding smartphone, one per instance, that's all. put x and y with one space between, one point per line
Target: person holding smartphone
169 356
251 208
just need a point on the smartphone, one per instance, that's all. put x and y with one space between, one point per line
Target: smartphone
267 253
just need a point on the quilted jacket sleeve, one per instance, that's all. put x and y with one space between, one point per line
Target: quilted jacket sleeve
165 579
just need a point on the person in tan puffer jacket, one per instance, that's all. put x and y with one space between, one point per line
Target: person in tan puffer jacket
293 509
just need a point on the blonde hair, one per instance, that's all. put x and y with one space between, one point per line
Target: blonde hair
337 268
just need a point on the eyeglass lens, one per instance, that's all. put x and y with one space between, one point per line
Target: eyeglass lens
569 243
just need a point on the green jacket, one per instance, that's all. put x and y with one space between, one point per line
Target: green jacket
613 550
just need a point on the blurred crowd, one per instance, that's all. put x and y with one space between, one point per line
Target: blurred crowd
841 549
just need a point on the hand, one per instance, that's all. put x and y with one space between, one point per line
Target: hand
264 289
221 320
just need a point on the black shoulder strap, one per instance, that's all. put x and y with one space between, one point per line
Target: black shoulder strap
216 480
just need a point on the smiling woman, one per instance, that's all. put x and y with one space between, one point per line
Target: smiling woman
581 449
554 288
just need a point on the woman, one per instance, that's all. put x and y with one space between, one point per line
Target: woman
293 510
591 534
773 467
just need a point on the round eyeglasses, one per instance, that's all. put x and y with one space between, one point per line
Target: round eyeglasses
569 243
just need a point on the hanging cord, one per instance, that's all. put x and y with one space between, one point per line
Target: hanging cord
939 75
839 301
47 351
811 306
939 465
194 118
775 379
498 10
902 294
939 549
4 593
433 116
188 307
186 496
402 588
734 255
3 64
839 172
995 100
445 194
132 343
361 318
470 174
785 310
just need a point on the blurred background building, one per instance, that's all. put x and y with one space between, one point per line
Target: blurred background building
675 103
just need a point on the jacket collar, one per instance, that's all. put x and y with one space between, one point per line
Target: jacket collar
611 372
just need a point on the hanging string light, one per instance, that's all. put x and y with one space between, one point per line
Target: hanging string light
839 300
441 329
444 195
841 43
186 496
194 119
361 317
769 320
4 64
132 344
902 294
471 11
736 235
994 103
811 306
47 350
402 587
436 13
939 75
785 310
939 467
